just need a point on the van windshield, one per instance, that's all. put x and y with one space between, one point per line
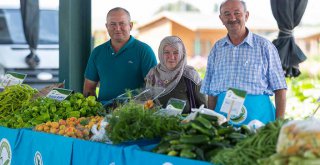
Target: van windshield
11 28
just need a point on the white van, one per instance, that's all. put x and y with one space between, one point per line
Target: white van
14 49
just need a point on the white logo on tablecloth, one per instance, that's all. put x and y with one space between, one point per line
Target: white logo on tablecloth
37 159
5 152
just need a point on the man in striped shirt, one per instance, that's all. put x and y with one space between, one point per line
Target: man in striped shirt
245 61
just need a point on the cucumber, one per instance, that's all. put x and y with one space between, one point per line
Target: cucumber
245 129
209 117
194 139
200 153
187 154
172 153
225 131
173 142
183 146
201 129
162 150
235 135
192 131
171 137
206 123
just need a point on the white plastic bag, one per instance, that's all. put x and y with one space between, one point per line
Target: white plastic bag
254 125
100 134
202 110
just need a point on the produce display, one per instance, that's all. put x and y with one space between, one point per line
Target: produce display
71 127
132 121
19 110
298 143
13 98
201 138
253 149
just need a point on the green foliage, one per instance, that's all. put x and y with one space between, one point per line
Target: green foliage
202 72
131 122
45 109
298 87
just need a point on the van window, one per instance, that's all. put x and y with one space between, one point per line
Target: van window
11 28
4 32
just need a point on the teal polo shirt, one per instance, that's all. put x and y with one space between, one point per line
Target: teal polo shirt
119 71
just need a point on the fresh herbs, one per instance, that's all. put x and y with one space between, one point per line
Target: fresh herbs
131 122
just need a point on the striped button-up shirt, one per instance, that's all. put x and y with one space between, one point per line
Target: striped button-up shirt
253 65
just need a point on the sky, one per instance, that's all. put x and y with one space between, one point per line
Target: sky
142 10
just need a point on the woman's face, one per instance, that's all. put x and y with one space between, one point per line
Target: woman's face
171 57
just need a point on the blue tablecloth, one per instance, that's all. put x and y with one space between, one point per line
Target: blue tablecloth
140 157
31 147
87 152
7 142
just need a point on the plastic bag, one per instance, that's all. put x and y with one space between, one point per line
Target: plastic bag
202 110
300 138
100 134
254 125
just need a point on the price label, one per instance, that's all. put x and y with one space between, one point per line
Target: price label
12 78
59 94
233 101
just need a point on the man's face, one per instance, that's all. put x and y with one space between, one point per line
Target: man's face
233 16
119 26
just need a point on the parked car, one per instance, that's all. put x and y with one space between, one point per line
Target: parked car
14 48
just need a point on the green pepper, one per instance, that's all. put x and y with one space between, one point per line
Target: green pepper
74 114
91 101
66 103
53 108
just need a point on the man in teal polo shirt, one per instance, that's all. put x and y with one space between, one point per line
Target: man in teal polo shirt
119 64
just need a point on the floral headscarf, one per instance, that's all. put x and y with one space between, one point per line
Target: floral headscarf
161 76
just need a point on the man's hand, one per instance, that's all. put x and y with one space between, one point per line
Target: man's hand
89 88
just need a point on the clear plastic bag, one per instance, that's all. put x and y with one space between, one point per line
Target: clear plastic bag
300 138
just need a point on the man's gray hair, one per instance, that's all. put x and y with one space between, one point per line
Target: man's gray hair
119 9
242 2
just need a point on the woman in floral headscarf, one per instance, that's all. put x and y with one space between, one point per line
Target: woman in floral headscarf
172 73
